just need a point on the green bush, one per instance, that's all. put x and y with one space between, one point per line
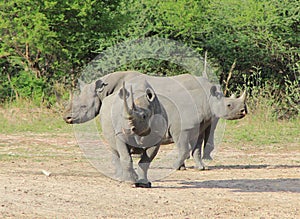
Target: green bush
52 41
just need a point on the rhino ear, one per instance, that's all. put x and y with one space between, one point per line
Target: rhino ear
121 93
81 84
150 94
99 86
213 91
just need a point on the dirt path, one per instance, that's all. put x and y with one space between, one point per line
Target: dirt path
252 183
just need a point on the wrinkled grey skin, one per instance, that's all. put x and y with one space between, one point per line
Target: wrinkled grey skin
191 103
132 129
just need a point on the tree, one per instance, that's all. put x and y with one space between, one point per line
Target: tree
51 39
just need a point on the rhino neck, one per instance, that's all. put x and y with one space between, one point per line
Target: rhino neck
114 82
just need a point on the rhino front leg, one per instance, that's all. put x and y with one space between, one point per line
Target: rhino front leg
197 154
128 173
143 166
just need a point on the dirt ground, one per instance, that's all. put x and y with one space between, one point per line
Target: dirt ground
243 182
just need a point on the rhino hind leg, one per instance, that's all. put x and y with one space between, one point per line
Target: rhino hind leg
208 148
182 167
209 136
182 156
198 160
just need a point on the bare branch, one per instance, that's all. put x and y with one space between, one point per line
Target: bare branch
229 77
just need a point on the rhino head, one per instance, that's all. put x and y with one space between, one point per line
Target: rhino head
229 108
138 114
86 105
236 108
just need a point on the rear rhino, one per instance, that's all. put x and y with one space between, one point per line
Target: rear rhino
136 129
239 110
211 105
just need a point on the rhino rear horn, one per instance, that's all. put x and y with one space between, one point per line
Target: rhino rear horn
124 94
132 99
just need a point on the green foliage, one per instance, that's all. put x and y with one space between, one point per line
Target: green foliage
273 100
26 85
50 42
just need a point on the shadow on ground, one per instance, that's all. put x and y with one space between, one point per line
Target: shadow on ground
262 166
244 185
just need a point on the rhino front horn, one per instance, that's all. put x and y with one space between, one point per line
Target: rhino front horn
243 96
232 96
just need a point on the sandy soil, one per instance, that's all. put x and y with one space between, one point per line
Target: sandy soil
243 182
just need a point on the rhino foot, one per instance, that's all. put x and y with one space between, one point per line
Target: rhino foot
201 168
207 157
179 166
182 167
142 185
129 177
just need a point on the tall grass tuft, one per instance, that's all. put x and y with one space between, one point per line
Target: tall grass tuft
271 100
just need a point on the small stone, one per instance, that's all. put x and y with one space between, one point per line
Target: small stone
46 173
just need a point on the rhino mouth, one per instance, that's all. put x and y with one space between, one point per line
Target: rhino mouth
72 120
69 120
142 133
236 116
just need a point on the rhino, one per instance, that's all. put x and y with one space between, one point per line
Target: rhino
238 109
233 102
138 129
191 103
198 103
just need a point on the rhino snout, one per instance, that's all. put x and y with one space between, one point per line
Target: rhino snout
240 114
142 133
68 119
243 111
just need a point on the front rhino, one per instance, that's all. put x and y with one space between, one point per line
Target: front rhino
133 120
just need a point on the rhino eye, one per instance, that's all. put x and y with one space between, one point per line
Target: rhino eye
229 105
